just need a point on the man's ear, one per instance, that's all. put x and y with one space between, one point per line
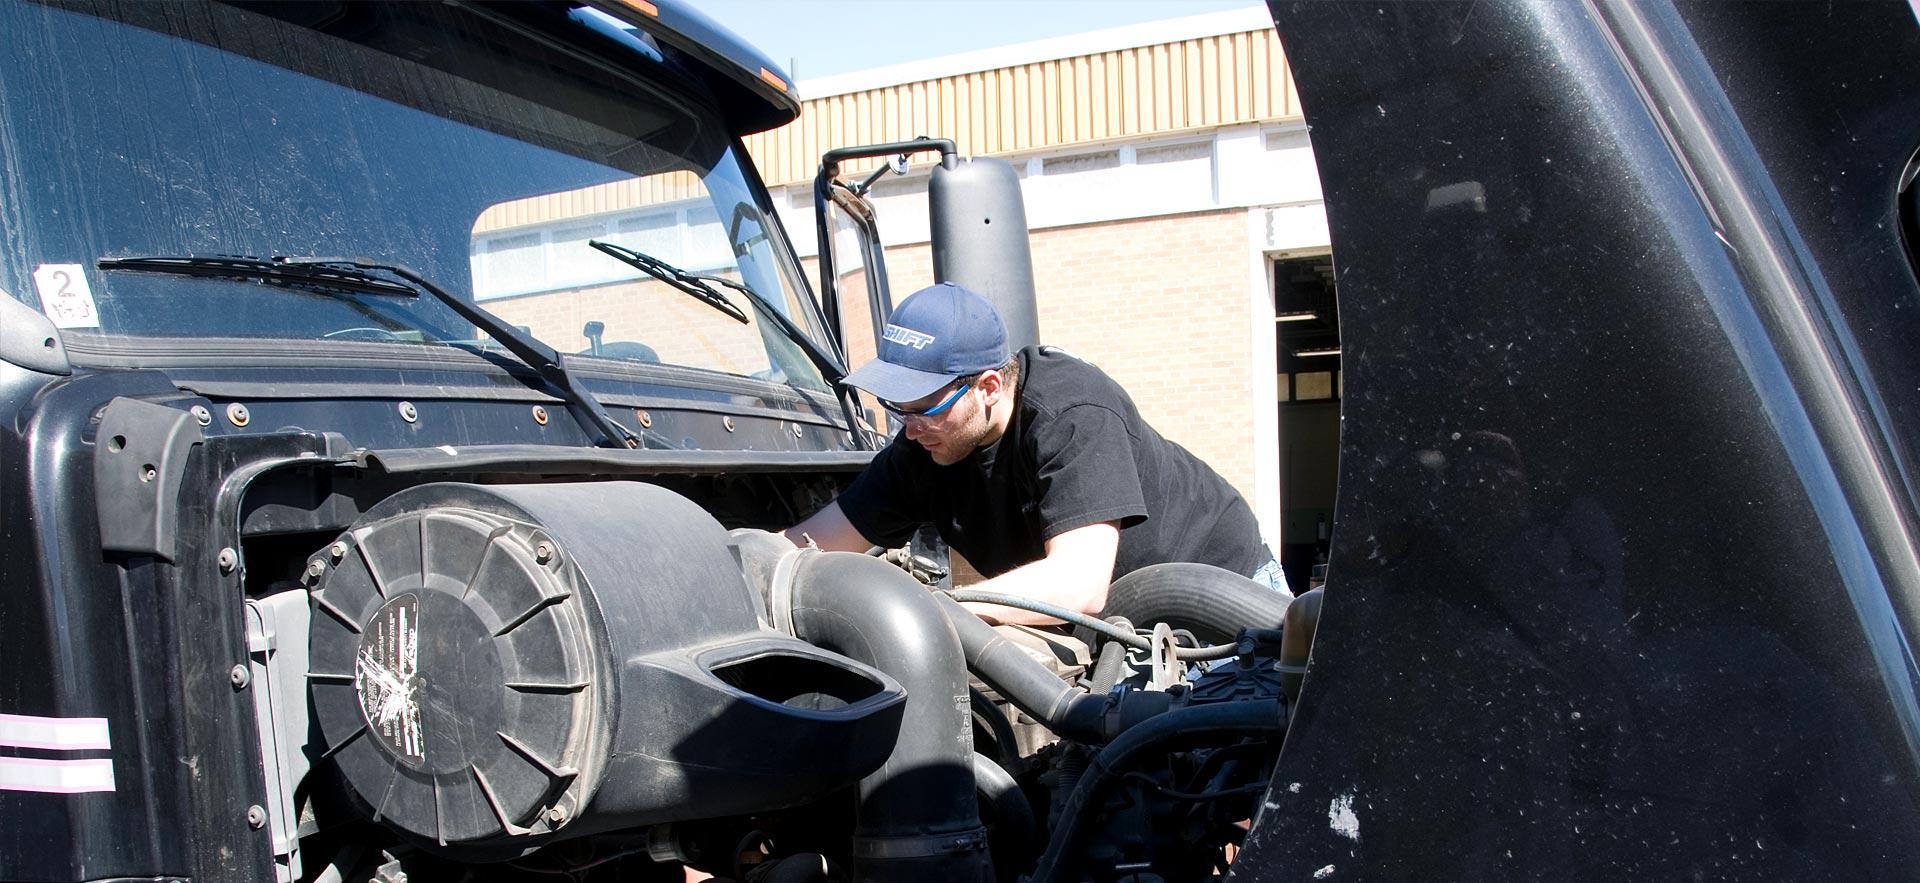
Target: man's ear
991 382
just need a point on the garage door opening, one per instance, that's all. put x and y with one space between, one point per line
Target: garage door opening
1307 326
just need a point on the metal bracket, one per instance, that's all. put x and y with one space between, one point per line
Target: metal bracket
139 460
1166 670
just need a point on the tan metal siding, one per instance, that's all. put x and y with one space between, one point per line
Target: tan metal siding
1170 87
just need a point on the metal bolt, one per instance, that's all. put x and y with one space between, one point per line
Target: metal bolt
543 552
727 422
228 560
540 414
796 430
338 550
408 412
646 419
237 414
556 815
256 817
201 415
240 675
316 567
148 473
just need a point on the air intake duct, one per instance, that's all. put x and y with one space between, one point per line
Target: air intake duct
507 664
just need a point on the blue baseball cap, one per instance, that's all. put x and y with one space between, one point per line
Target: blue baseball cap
938 334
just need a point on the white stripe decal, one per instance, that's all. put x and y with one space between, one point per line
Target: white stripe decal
55 776
54 733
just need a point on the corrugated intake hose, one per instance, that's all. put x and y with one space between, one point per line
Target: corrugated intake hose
1227 719
1067 710
1213 602
917 820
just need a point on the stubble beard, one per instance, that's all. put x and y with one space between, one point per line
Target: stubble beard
963 442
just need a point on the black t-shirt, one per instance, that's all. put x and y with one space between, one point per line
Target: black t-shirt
1075 453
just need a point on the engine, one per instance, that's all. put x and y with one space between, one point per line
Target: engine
600 679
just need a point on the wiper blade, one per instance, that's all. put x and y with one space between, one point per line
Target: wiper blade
266 272
586 410
700 285
691 284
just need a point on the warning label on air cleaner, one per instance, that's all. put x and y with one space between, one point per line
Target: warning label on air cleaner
387 676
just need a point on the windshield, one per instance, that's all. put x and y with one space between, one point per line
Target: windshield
456 141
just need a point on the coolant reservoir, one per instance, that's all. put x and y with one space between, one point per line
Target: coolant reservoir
494 664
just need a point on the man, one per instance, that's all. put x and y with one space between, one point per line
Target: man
1034 465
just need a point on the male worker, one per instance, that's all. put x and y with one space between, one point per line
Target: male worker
1034 465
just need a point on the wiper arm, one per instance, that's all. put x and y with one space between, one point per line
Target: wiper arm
586 410
346 275
700 285
691 284
266 272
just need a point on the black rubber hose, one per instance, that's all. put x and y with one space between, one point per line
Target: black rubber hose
999 729
1063 708
1231 719
1212 602
917 820
1111 665
1015 831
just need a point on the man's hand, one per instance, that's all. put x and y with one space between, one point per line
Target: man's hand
1074 575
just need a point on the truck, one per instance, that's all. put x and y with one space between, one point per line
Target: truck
366 535
358 533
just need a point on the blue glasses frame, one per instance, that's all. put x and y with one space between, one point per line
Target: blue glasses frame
934 411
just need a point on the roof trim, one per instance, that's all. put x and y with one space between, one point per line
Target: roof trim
1153 33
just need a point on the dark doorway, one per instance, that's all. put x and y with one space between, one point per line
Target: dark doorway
1307 327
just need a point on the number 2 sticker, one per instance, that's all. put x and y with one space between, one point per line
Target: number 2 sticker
65 296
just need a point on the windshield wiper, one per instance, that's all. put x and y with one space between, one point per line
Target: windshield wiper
345 274
694 285
700 286
332 278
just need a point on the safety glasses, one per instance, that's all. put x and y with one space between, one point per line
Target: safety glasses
936 410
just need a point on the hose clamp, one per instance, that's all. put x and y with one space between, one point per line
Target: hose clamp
780 589
929 846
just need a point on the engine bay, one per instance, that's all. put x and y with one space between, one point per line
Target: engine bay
490 675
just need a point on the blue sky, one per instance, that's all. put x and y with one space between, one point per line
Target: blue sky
823 37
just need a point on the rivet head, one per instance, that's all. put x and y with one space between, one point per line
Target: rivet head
646 419
228 560
540 414
201 415
543 552
315 568
338 550
556 815
408 412
237 414
256 817
240 676
727 422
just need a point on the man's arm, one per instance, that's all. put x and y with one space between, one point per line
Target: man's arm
1075 575
830 530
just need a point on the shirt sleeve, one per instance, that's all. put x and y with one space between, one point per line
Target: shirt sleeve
881 503
1086 472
